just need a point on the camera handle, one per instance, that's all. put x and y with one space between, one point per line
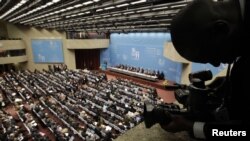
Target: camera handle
152 115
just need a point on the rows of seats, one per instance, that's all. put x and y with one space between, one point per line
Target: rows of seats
78 103
31 124
61 131
10 130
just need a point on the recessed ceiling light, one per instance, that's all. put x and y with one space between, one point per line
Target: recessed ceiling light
106 16
78 5
118 14
49 3
121 5
140 1
145 10
88 2
62 10
131 12
160 8
69 8
80 14
177 6
98 10
55 1
111 7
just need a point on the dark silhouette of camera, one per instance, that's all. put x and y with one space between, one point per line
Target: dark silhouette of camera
198 101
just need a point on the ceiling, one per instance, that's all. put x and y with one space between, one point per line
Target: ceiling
92 15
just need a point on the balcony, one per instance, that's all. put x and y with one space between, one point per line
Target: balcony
12 51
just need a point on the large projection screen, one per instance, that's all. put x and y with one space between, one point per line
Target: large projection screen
47 51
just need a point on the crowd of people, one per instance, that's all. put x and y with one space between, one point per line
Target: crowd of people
9 129
75 104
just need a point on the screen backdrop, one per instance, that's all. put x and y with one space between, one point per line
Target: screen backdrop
141 50
47 50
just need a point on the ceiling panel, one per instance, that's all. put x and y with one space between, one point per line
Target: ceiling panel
92 15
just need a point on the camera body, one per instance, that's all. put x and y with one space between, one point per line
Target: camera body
199 100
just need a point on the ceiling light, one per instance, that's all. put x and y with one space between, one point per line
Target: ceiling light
140 1
98 10
49 3
88 2
106 16
22 2
55 1
43 6
145 10
167 24
78 5
118 14
69 8
177 6
111 7
160 8
80 14
62 10
121 5
34 10
129 12
13 8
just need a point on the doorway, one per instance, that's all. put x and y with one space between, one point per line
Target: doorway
87 59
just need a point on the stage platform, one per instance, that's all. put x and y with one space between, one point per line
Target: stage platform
133 74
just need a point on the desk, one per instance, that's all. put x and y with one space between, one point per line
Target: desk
136 74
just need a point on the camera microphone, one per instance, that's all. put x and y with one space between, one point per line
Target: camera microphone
200 76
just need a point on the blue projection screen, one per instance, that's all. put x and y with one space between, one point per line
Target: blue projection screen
47 50
141 50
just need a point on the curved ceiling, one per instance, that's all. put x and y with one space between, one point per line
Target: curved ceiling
92 15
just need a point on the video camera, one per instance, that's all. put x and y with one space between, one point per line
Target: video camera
198 101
